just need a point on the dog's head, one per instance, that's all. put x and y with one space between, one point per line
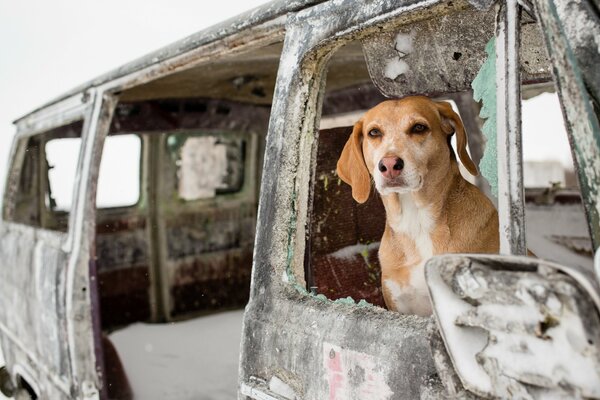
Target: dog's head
402 143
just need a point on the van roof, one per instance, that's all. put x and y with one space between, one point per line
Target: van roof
248 19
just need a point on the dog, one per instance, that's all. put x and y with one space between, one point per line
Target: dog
404 145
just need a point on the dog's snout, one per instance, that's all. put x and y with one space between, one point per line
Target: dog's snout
390 167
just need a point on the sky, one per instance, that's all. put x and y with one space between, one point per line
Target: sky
49 47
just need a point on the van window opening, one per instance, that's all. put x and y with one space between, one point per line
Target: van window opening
119 176
44 177
207 165
341 261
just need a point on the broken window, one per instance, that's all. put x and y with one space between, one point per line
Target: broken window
341 251
207 165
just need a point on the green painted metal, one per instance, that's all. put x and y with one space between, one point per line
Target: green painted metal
484 90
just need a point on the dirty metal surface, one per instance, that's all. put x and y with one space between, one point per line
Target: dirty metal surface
400 61
36 273
573 77
189 114
537 329
344 235
122 263
209 258
280 314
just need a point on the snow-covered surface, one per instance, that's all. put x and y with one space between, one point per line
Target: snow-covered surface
542 222
195 359
349 252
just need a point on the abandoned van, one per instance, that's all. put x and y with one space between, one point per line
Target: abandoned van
202 178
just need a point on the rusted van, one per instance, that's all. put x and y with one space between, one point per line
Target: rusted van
223 195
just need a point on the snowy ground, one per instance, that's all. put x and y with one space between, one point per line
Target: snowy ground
196 359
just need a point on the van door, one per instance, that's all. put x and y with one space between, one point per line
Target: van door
34 257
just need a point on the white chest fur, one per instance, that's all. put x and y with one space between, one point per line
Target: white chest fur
417 223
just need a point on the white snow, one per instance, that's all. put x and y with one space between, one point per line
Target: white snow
404 44
348 252
195 359
395 67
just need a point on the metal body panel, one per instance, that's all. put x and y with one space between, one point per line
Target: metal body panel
511 195
362 333
573 76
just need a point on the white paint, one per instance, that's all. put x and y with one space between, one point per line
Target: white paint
281 388
404 44
563 357
202 167
463 343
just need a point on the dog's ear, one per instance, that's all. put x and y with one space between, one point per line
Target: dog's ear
351 167
452 123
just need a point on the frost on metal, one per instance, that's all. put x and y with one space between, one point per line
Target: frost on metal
519 328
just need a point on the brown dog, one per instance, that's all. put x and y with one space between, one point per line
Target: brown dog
430 208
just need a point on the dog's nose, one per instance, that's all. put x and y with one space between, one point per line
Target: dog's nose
390 167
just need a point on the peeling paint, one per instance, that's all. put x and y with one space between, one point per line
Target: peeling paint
351 374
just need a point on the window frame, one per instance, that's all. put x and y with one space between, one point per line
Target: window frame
17 160
296 112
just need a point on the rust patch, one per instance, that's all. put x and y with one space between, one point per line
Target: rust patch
124 296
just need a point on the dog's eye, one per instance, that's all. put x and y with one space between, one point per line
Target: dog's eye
375 133
418 128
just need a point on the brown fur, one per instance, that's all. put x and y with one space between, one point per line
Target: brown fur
463 220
